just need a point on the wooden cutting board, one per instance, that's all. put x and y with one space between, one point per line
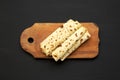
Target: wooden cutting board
32 37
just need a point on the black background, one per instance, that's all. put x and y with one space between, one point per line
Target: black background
16 15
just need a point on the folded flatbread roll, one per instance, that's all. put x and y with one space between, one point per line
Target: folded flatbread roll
84 38
59 36
60 51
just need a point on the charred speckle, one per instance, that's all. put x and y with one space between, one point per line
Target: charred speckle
55 55
76 23
81 33
69 43
76 40
81 40
76 35
56 40
70 29
75 29
44 46
59 45
87 36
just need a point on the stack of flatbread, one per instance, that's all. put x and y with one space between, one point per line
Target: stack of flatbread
64 40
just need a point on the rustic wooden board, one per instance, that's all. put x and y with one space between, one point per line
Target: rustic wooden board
32 36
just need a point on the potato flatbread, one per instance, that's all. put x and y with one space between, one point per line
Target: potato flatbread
84 38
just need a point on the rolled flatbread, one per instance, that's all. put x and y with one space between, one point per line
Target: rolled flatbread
59 36
84 38
67 44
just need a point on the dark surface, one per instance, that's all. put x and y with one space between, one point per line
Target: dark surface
16 15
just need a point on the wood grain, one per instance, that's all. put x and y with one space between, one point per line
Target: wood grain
39 31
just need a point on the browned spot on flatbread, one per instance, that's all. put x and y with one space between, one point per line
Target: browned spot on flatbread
75 29
59 45
44 46
55 55
56 40
76 23
70 39
76 40
81 40
81 33
71 30
69 43
76 35
88 36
